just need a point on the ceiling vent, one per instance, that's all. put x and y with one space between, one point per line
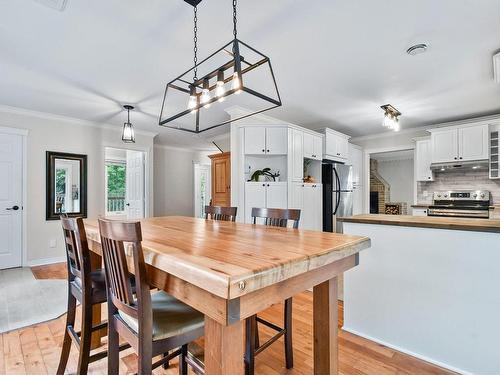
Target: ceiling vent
496 67
59 5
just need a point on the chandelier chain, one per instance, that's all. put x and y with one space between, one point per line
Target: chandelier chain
234 18
195 39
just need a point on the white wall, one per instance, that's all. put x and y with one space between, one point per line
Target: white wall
399 175
54 133
174 180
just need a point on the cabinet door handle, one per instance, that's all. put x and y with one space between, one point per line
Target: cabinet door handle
263 184
455 158
460 158
263 150
267 184
267 150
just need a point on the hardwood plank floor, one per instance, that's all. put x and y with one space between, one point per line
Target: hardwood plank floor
36 349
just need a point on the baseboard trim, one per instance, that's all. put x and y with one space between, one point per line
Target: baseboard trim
45 261
406 351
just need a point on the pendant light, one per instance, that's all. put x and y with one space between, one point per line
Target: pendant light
242 78
128 134
391 117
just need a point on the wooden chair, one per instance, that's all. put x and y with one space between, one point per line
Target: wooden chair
85 286
153 324
221 213
277 218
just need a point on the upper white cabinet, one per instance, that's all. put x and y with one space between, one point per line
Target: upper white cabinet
336 145
266 140
423 160
463 143
473 142
313 146
296 154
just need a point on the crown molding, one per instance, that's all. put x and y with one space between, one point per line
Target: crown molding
175 148
76 121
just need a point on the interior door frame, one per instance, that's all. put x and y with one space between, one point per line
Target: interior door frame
148 173
366 170
24 205
209 182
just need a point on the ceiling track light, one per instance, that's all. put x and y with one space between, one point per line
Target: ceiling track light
243 71
391 117
128 134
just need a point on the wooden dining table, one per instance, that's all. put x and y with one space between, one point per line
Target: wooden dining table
231 271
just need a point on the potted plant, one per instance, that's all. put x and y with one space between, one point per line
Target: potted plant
264 174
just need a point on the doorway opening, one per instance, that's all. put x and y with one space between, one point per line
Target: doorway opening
125 182
202 188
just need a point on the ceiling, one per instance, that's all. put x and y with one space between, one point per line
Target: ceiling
335 61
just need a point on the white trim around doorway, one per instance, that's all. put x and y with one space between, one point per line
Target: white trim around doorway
366 163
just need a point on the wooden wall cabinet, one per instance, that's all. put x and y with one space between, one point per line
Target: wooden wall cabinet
221 179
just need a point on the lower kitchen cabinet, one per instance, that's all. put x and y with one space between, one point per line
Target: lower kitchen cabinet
307 198
419 211
264 195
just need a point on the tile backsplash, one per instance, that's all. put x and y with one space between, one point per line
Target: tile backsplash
459 180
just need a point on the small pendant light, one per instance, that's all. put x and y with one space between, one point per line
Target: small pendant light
128 134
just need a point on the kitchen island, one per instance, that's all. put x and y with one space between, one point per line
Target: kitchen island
428 287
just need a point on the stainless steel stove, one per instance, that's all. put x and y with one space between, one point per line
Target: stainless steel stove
463 203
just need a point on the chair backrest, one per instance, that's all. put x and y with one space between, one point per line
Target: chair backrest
77 251
221 213
114 236
276 217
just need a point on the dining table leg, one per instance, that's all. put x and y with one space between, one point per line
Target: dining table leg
224 348
325 326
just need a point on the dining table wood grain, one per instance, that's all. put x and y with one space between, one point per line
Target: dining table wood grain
230 271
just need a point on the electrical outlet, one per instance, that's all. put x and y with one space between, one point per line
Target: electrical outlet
53 243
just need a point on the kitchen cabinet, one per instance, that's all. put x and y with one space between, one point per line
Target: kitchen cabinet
313 146
356 161
308 199
419 211
221 179
264 195
423 160
266 140
296 154
464 143
336 145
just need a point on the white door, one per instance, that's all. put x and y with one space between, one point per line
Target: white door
134 190
11 187
276 195
308 145
255 140
423 160
297 195
473 143
297 155
444 145
276 140
255 196
317 147
201 189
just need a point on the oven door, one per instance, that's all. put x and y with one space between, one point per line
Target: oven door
450 212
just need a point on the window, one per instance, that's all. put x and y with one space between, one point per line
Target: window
115 187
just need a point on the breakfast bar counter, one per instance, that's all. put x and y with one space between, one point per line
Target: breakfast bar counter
453 223
428 287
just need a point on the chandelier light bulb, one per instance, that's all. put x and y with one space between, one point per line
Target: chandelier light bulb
219 90
205 94
236 83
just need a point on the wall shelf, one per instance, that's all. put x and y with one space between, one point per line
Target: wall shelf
494 155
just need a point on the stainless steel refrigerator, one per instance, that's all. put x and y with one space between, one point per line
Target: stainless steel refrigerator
337 195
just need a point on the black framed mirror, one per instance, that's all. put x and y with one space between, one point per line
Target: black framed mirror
66 185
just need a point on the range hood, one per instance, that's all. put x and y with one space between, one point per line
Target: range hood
460 166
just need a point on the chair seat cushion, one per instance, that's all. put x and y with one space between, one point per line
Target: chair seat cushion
171 317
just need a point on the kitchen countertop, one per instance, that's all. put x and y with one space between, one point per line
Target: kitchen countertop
421 205
476 225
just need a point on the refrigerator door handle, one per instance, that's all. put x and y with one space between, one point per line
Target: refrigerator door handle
337 192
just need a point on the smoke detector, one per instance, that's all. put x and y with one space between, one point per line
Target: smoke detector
59 5
417 49
496 67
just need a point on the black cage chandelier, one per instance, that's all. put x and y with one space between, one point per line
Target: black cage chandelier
235 79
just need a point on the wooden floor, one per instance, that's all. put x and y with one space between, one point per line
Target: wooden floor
36 349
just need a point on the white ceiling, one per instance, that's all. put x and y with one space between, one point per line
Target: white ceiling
335 61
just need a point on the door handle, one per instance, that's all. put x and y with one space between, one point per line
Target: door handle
13 208
127 204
